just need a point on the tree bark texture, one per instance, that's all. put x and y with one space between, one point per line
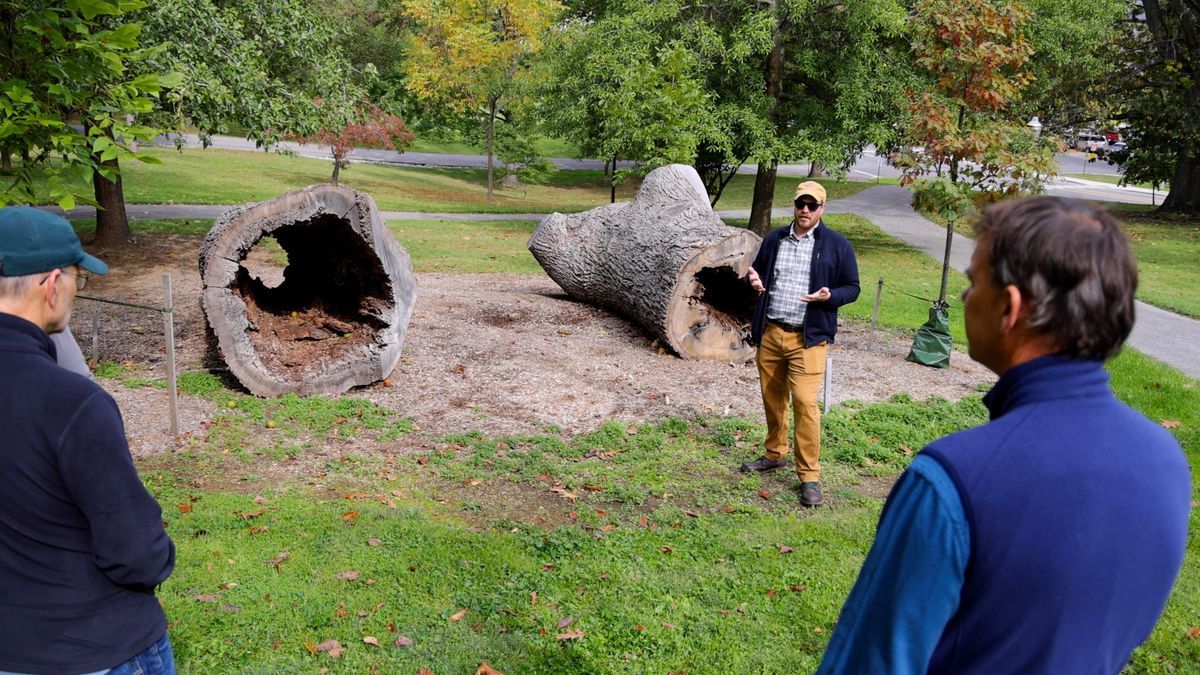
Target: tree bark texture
337 315
763 200
664 260
1185 188
112 223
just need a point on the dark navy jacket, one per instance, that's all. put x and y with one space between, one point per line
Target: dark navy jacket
833 267
82 544
1078 509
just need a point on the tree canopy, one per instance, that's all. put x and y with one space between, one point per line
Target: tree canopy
469 54
72 89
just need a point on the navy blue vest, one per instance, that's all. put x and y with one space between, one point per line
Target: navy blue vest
1078 508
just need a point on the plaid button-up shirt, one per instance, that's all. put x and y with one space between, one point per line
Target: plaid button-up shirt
793 274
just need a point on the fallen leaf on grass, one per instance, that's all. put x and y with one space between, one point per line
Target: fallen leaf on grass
278 560
251 514
765 494
403 641
457 616
205 598
374 542
643 521
799 588
818 629
348 575
259 499
424 671
1170 424
1194 633
771 592
259 529
565 493
533 597
666 549
569 635
370 640
185 507
350 515
333 647
485 669
639 627
423 460
786 549
564 622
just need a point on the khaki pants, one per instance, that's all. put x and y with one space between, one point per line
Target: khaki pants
789 372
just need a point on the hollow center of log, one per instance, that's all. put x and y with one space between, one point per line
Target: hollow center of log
730 300
319 296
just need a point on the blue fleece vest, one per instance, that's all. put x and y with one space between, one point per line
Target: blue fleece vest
1078 508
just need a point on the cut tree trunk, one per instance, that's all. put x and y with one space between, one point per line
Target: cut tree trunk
333 312
664 260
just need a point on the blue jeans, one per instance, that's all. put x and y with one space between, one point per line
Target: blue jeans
156 660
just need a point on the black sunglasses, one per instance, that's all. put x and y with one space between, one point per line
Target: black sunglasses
808 206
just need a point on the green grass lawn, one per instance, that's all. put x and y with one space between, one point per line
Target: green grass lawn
233 177
618 549
1165 245
1166 248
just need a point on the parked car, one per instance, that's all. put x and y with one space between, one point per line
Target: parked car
1091 142
1112 148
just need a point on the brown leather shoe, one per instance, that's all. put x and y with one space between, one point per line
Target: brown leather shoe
763 465
810 494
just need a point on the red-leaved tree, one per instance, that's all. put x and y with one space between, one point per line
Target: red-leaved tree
369 127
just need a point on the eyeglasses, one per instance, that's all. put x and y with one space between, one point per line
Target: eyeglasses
81 279
808 206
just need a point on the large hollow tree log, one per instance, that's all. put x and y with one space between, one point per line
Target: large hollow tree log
338 317
664 260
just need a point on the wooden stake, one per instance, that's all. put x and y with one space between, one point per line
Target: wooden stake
169 321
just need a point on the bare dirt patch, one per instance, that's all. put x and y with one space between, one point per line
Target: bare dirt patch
501 354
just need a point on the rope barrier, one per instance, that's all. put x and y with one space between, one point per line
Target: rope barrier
160 310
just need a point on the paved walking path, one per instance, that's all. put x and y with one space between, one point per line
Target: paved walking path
1168 337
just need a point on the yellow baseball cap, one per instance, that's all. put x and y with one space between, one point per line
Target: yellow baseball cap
812 189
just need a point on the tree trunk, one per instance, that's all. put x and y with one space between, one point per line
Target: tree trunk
334 318
815 170
490 135
5 159
612 182
1185 188
764 197
764 181
112 224
664 260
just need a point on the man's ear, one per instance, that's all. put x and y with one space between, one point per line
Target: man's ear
50 287
1014 304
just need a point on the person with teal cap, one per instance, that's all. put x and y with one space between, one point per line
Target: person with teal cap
82 544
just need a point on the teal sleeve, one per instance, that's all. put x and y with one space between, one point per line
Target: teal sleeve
909 585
